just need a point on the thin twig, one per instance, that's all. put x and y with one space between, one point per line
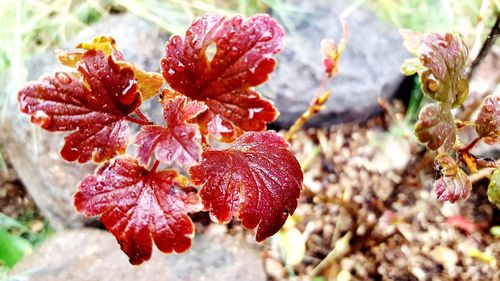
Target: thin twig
141 115
470 145
487 44
155 166
317 103
138 121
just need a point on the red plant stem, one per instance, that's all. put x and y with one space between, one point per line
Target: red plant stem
138 121
471 145
155 166
320 89
141 115
314 107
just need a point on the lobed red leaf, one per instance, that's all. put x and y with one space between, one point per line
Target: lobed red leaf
257 177
243 59
139 206
488 120
452 183
93 110
441 65
435 127
178 140
453 188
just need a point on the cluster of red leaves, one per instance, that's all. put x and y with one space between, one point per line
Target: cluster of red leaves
441 65
257 179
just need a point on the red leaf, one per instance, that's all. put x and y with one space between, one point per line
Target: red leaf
453 188
179 140
139 206
488 120
458 221
243 59
94 111
442 66
257 177
435 127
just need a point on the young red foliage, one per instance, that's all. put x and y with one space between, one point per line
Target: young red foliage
261 182
178 140
139 206
488 120
243 59
441 64
435 127
257 177
94 109
453 188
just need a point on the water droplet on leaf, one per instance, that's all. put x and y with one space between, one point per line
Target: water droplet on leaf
63 77
128 95
179 66
41 118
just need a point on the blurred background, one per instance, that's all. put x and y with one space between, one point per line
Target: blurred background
31 31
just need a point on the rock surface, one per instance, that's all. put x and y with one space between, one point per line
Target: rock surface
369 67
93 255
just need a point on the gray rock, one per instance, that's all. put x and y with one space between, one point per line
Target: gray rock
369 67
93 255
140 41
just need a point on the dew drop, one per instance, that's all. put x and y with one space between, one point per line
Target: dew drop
63 77
127 96
179 66
443 44
41 118
252 111
93 99
432 83
25 107
266 36
171 71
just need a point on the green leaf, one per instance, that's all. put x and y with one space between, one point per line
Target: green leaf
495 231
412 66
494 188
12 248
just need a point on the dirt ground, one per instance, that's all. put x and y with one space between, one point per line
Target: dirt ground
375 187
